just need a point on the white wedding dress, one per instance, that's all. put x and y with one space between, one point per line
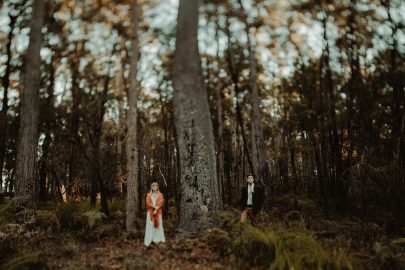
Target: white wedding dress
153 234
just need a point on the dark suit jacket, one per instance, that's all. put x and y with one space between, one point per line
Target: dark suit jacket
257 198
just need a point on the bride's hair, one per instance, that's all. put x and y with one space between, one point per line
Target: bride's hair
154 183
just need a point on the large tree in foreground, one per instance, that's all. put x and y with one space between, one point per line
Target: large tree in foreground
199 187
26 175
131 138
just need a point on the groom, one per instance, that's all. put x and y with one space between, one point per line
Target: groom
251 200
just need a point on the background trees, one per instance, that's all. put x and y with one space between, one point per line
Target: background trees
322 80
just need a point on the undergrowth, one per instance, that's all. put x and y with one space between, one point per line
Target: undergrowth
272 247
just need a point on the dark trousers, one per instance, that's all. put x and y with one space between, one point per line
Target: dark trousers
248 213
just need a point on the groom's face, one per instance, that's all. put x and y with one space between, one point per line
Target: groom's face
250 179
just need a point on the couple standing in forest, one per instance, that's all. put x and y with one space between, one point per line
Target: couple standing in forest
251 201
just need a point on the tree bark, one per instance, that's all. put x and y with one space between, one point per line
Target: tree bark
4 108
120 93
397 84
333 140
237 113
98 180
26 175
131 138
291 146
199 187
74 120
219 110
48 110
261 168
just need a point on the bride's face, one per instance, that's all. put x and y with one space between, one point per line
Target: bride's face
154 187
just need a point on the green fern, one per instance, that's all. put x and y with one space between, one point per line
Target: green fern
94 217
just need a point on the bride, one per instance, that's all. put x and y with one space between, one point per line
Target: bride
154 225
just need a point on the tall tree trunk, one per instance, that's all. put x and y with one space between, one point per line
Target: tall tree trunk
291 146
74 121
220 147
26 176
4 108
98 132
261 166
333 140
178 167
397 84
199 187
320 173
237 113
44 170
278 170
120 92
166 174
131 138
219 110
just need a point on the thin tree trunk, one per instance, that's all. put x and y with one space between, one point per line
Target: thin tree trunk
120 92
43 171
74 122
237 110
261 167
397 84
167 166
334 140
320 174
291 146
177 168
220 146
279 164
131 139
4 109
235 149
98 132
199 186
26 176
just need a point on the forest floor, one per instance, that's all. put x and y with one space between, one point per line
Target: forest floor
294 235
127 253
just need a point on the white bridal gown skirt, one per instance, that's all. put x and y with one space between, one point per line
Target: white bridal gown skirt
153 234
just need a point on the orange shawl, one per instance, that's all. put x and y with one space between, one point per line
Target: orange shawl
149 205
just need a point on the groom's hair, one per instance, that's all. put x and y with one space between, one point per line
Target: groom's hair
250 174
